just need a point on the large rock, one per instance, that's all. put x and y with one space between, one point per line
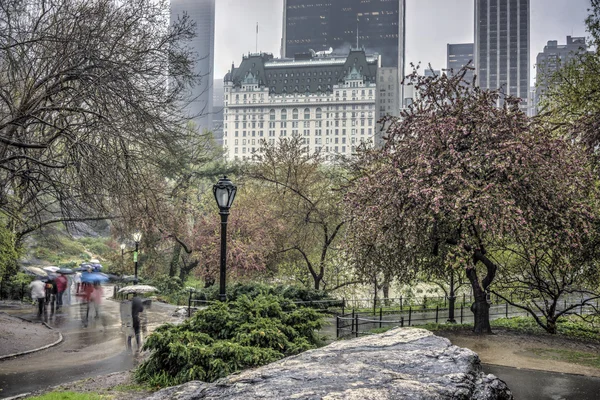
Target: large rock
404 363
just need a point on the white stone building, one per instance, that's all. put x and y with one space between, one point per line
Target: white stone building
328 101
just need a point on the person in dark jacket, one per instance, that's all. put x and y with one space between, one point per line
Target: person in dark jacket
137 307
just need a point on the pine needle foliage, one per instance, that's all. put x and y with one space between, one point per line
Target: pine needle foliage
228 337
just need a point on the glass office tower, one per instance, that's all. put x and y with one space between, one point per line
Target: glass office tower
502 46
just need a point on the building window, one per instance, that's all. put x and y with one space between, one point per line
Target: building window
284 114
295 113
306 113
272 115
318 113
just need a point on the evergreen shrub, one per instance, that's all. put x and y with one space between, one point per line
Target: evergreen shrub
227 337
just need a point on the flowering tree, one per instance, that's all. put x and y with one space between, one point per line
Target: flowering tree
456 175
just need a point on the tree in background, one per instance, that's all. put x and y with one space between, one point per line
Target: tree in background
90 92
456 175
304 198
571 104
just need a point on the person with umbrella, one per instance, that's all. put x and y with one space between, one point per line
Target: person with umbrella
38 293
137 307
61 286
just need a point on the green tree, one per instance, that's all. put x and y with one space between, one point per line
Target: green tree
304 195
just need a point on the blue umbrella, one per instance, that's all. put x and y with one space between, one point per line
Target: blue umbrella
91 277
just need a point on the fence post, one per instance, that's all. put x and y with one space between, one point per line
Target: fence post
402 321
409 314
464 300
424 302
190 304
380 316
565 303
436 313
343 305
506 310
400 303
356 318
337 326
461 314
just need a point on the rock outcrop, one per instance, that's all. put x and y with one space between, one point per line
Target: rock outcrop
404 363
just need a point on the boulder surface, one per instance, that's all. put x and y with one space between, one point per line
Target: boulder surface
403 363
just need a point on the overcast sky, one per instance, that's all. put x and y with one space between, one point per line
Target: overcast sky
430 25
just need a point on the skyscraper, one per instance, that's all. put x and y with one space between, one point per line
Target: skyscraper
502 46
459 55
376 25
552 59
200 97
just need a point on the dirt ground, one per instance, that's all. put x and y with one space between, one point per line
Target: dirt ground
17 335
512 349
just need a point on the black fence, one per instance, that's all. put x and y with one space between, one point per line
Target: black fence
359 323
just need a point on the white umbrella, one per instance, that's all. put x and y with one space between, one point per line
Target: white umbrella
35 271
51 269
138 289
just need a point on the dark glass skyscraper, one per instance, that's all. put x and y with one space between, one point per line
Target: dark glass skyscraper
323 24
502 46
459 55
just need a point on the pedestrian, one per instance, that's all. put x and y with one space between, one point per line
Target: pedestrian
96 298
77 280
51 292
67 299
137 307
61 286
38 293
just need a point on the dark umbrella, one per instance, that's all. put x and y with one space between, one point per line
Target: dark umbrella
65 271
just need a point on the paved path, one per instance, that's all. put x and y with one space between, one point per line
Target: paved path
527 384
92 350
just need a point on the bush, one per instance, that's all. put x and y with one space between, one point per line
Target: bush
228 337
252 290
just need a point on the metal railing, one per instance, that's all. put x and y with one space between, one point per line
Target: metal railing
359 323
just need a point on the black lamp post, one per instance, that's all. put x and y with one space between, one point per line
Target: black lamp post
136 238
224 192
451 299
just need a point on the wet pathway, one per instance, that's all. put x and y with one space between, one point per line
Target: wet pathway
96 349
528 384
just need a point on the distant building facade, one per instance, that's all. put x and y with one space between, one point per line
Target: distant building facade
457 56
552 59
199 101
217 115
329 101
378 26
502 47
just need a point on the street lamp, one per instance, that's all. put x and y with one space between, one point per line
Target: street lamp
137 236
122 255
224 192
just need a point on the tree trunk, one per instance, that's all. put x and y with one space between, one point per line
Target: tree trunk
551 325
481 311
386 290
174 265
185 270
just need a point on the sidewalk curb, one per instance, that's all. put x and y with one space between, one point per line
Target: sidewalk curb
22 353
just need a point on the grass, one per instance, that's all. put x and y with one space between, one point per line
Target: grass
70 396
570 356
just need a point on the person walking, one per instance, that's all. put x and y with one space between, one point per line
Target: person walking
38 293
51 292
61 286
137 307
